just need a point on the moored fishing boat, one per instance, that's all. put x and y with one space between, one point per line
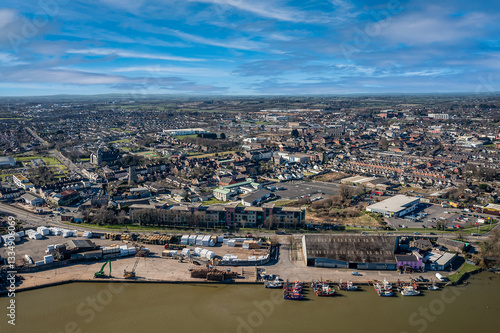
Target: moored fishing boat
274 284
433 286
347 286
383 289
292 296
409 291
325 290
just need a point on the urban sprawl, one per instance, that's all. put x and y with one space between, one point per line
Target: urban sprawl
223 185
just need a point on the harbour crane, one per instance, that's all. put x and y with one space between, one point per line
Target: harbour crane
131 274
101 274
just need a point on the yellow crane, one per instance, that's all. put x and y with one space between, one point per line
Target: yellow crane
131 274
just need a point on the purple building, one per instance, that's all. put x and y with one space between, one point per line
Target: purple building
406 261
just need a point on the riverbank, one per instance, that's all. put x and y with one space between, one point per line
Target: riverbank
162 270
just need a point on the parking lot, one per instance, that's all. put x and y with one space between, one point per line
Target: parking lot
298 189
434 213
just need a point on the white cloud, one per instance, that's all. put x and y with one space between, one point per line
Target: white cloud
263 9
190 71
7 16
128 54
433 25
238 44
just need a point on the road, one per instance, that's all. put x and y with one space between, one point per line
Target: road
66 161
31 219
36 136
36 220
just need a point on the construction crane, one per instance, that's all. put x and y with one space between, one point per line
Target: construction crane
101 274
131 274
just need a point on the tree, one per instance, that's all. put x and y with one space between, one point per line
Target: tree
222 136
384 143
295 133
269 222
345 192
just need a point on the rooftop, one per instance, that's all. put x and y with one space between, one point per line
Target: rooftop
394 204
360 249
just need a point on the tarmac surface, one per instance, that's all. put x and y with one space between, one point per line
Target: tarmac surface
287 263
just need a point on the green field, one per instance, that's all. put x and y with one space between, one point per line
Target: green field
213 201
27 158
120 141
465 268
51 161
230 152
182 137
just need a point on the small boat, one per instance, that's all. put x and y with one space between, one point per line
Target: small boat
293 296
385 293
292 287
274 284
347 286
409 291
325 290
384 289
433 286
351 286
387 285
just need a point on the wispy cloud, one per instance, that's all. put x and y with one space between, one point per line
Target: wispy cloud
233 43
129 54
197 71
84 78
263 9
434 25
7 16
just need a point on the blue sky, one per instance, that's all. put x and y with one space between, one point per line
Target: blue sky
243 47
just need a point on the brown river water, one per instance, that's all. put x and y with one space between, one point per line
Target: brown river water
107 307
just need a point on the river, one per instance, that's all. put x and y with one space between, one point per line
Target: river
107 307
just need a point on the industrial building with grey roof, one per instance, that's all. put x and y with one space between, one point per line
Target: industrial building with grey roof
398 205
350 251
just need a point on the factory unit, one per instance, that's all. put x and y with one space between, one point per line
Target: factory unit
354 252
396 206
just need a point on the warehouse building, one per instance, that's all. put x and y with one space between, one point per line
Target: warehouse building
7 160
396 206
354 252
32 200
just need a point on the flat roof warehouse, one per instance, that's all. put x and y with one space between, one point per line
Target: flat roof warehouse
397 205
345 251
